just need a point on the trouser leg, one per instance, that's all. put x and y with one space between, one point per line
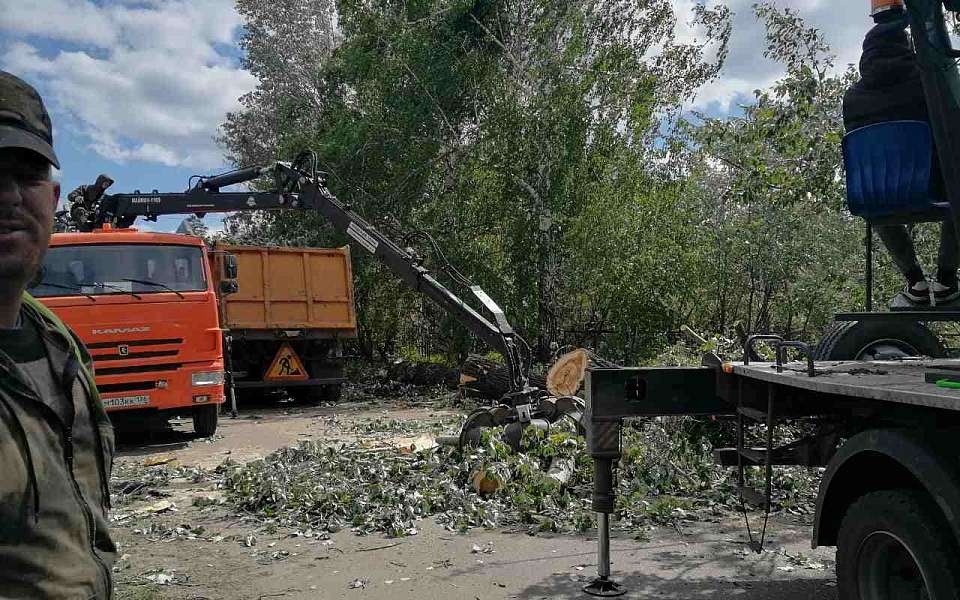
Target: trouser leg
900 246
949 258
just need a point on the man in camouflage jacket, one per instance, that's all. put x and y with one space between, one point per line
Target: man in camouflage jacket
56 443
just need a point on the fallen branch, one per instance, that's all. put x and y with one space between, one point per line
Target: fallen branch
378 547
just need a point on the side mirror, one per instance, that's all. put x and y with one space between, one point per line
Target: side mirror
229 266
229 286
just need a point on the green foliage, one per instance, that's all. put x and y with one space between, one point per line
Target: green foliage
778 248
543 145
666 474
517 134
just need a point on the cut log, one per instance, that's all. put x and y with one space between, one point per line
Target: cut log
481 377
566 375
422 373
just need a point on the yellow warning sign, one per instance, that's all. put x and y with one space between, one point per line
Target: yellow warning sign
286 366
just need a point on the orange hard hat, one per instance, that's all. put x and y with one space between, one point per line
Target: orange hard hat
878 6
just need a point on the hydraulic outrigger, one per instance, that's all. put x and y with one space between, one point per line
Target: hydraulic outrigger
298 185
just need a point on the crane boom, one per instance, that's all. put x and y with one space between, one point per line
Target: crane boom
296 188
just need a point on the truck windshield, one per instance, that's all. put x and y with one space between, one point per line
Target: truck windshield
94 270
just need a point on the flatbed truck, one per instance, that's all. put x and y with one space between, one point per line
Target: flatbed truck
885 432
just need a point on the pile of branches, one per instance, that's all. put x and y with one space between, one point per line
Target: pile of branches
667 474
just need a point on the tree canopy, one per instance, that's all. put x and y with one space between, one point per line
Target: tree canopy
544 146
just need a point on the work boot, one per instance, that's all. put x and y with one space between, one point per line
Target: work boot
918 293
942 294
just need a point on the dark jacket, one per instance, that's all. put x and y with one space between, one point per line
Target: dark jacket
55 461
890 87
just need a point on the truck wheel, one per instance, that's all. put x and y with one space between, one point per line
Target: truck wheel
205 420
896 545
875 340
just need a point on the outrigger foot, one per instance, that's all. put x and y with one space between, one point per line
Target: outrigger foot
605 588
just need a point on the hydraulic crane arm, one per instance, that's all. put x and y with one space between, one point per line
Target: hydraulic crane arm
298 188
941 84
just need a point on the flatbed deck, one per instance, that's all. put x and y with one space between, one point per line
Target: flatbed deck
899 382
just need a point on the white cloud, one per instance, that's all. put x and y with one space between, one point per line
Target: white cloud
843 24
143 80
147 82
69 20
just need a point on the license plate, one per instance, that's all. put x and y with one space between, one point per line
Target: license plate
126 401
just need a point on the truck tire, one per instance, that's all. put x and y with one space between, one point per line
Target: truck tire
205 419
896 545
870 340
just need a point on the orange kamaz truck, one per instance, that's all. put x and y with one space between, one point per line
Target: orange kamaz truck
146 306
287 319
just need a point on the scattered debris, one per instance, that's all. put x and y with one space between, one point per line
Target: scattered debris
485 549
163 577
158 507
122 563
159 459
384 547
424 442
667 476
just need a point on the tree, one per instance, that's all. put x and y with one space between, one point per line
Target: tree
781 251
503 130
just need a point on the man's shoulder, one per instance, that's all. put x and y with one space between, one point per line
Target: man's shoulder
49 321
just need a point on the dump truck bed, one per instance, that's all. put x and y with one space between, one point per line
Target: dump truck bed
291 289
900 382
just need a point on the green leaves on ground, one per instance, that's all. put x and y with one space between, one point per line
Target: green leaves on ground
667 475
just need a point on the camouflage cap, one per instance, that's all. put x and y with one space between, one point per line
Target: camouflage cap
24 122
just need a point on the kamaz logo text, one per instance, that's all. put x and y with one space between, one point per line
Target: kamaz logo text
116 330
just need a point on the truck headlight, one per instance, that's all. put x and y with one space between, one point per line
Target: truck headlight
207 378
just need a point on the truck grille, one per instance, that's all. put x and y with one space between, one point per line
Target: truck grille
123 350
133 386
151 354
157 342
138 369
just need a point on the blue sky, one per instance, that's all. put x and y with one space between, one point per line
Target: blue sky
137 89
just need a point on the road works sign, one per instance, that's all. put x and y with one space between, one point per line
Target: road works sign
286 366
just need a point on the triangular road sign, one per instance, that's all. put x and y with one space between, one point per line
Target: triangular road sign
286 366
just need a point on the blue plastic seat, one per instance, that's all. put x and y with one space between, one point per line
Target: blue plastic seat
888 173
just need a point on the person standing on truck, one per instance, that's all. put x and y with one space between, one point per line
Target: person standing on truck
890 89
56 443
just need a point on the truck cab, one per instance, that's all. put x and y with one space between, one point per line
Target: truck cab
145 306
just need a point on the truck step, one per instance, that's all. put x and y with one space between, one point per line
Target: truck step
727 457
801 454
757 456
753 413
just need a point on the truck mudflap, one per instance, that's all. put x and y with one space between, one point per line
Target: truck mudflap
880 459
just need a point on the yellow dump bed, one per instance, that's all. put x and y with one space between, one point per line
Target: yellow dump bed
290 288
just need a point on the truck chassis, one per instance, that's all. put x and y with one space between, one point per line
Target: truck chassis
884 431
